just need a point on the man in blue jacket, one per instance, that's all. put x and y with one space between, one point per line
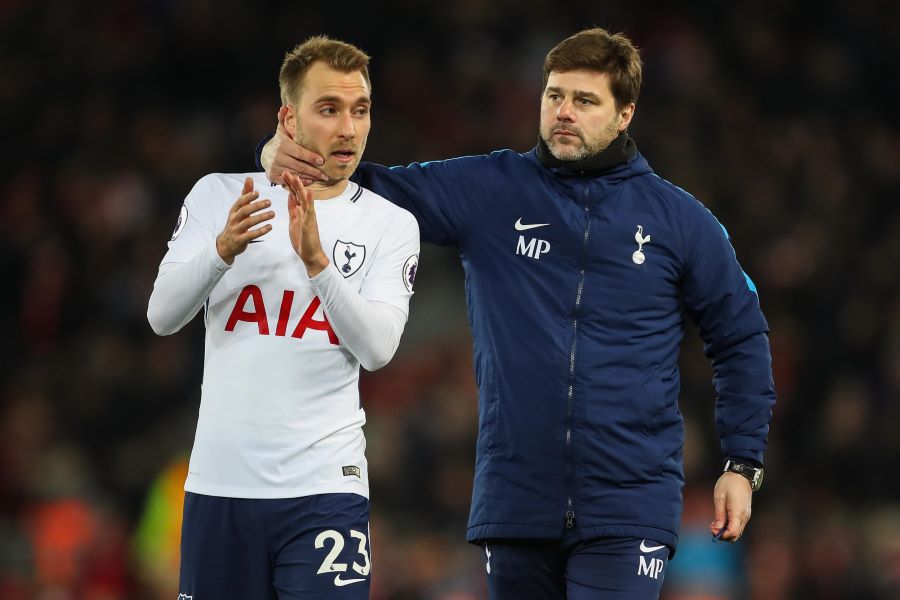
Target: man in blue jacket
580 266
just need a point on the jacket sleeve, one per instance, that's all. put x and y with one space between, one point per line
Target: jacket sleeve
434 192
722 300
437 193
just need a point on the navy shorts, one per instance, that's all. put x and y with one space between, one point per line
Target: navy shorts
608 568
314 547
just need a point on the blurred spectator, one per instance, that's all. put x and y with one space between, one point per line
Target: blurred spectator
158 536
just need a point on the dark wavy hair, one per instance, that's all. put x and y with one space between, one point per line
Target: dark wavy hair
598 50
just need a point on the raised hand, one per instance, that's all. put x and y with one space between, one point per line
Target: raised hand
282 153
303 226
243 216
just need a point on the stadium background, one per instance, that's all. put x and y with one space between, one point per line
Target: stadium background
780 117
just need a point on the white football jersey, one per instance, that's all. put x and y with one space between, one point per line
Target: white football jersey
280 413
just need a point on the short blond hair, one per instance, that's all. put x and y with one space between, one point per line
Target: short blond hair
338 55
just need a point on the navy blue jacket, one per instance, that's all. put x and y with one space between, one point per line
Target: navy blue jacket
576 327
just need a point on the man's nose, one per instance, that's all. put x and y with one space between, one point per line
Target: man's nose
564 111
347 128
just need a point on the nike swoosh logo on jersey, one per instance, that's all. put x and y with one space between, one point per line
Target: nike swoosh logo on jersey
341 582
256 241
522 227
645 548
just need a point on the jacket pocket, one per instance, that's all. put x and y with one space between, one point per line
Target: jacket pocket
488 405
655 407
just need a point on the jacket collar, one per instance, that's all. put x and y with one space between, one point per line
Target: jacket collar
621 150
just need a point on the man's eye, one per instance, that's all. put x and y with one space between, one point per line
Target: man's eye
584 102
327 110
554 97
361 112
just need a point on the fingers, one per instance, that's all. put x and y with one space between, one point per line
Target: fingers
295 186
302 197
308 196
243 209
309 157
295 210
304 169
733 528
291 155
738 516
246 197
732 501
246 214
282 152
718 523
295 225
246 232
255 233
255 220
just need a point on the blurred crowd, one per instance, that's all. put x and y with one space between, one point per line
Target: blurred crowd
779 116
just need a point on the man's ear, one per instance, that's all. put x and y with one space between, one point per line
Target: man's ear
289 119
626 114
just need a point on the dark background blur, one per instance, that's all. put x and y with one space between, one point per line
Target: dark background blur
782 119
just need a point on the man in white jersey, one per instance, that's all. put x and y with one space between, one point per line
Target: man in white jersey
298 291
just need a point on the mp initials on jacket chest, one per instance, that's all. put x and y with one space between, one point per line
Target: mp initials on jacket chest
532 247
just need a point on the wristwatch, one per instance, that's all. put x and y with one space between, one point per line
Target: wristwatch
753 474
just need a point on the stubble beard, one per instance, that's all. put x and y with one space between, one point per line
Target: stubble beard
587 149
335 174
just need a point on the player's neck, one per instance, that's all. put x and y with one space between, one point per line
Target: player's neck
326 190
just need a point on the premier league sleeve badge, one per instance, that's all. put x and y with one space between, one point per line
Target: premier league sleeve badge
409 271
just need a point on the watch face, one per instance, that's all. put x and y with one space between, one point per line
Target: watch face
754 475
757 479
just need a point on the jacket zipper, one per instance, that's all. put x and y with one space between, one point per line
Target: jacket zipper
570 506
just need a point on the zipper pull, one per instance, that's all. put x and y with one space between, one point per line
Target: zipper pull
570 519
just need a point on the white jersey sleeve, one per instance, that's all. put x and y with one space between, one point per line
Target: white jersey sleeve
370 330
371 321
191 267
181 289
391 277
201 219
